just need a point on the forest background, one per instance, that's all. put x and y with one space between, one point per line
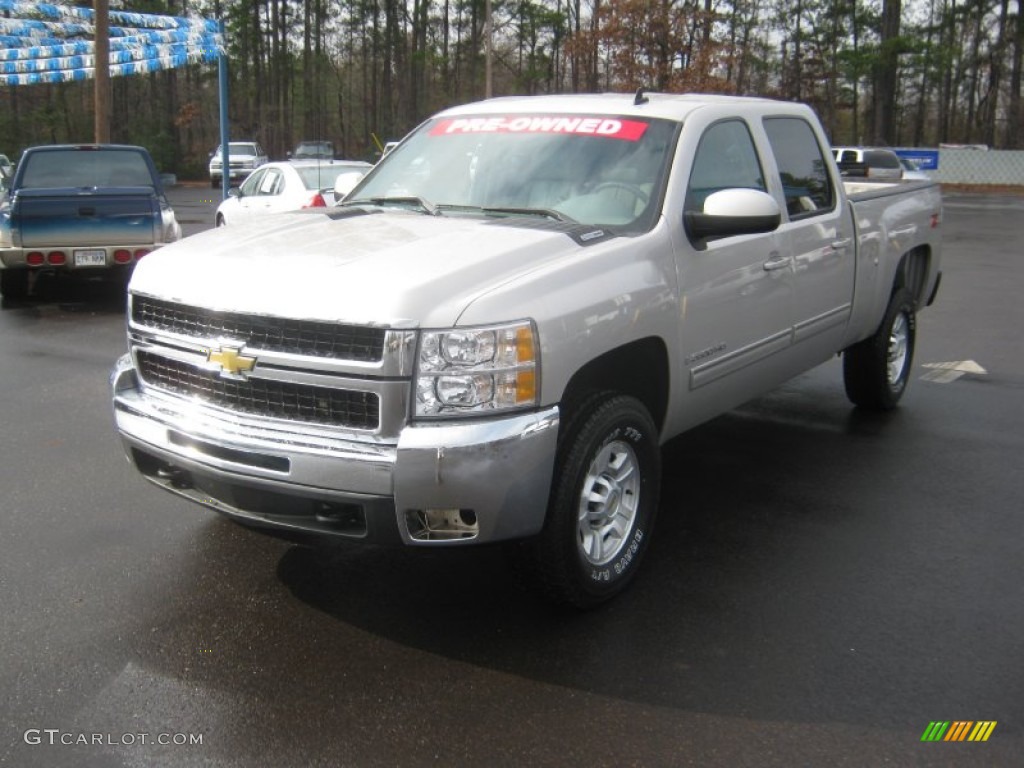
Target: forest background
912 73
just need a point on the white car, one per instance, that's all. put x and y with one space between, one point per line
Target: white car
868 162
286 186
243 158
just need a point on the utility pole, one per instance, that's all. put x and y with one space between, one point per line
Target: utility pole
488 52
101 70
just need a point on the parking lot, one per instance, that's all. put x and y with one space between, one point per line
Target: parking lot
823 584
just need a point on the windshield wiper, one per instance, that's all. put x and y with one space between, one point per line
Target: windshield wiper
547 213
424 205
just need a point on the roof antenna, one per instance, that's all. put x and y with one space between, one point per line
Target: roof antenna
640 98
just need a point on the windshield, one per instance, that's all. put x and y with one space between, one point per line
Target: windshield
238 149
593 170
314 149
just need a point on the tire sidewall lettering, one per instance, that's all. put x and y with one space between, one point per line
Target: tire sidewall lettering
622 564
618 567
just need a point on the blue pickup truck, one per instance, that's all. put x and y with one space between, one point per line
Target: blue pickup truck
84 210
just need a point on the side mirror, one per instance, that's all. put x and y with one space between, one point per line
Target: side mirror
234 192
730 212
345 183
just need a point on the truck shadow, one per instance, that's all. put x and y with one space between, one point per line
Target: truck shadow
751 601
107 294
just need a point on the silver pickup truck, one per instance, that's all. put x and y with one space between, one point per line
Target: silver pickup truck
489 339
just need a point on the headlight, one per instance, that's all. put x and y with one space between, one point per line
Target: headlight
464 371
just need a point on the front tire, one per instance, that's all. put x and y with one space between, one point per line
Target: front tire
877 369
603 503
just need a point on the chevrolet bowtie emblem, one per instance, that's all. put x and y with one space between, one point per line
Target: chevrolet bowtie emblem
231 361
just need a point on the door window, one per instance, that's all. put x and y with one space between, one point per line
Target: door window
725 159
271 183
802 168
252 184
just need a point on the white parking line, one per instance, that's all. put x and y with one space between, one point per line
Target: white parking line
944 373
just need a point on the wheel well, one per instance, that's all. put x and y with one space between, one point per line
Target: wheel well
639 369
912 273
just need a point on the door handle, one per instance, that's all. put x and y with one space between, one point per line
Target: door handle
840 245
776 262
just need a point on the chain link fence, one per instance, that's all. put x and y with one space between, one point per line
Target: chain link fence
979 166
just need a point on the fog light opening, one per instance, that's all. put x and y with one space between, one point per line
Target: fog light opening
347 518
174 476
442 524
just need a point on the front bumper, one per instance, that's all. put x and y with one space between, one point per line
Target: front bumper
233 173
492 476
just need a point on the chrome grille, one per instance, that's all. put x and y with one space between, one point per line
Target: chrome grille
263 397
273 334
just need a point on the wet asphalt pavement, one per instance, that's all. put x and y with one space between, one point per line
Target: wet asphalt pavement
822 585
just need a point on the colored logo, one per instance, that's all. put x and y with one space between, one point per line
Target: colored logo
958 730
231 361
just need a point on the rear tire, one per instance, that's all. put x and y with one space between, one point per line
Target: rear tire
603 503
14 284
877 369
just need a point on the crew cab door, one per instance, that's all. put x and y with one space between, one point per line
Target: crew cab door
818 233
735 291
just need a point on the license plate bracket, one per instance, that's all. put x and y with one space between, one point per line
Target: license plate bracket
90 257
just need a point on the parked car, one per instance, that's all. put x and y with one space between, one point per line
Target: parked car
83 211
286 186
243 158
6 167
312 150
865 162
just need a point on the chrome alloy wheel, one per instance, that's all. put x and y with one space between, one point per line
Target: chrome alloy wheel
608 503
899 337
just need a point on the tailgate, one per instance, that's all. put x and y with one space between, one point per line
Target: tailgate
45 218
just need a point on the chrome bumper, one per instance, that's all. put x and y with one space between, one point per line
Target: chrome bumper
492 476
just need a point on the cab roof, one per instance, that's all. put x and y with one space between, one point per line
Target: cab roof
662 105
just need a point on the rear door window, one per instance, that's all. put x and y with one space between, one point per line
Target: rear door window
802 168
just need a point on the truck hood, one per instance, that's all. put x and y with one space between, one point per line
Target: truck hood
395 269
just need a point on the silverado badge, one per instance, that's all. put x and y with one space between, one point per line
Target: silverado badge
232 363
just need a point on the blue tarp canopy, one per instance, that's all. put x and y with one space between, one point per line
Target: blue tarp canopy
54 43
